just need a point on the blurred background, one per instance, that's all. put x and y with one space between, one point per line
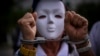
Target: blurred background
12 10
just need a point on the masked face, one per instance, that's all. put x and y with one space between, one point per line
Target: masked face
50 19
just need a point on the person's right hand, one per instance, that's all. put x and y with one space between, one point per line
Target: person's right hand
28 26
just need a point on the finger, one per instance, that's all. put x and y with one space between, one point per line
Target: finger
85 21
26 22
70 30
82 20
68 16
28 15
31 22
77 21
34 15
85 29
73 12
31 18
68 27
82 31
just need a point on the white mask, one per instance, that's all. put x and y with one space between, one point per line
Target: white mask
50 18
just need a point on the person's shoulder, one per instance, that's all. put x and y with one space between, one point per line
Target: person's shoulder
97 23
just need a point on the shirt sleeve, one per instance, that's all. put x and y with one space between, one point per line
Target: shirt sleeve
25 52
18 53
94 36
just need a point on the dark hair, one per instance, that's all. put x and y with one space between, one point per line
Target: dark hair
35 3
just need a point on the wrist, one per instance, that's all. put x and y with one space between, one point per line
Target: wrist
85 48
28 37
25 51
28 46
82 44
78 38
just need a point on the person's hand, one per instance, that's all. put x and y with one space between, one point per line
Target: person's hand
76 26
28 26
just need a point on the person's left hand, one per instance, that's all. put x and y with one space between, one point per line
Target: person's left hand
76 26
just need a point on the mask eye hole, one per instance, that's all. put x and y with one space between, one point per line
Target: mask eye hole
58 16
42 17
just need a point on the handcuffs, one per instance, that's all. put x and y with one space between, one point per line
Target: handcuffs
41 40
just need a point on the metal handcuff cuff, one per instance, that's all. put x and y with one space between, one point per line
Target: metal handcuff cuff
40 40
